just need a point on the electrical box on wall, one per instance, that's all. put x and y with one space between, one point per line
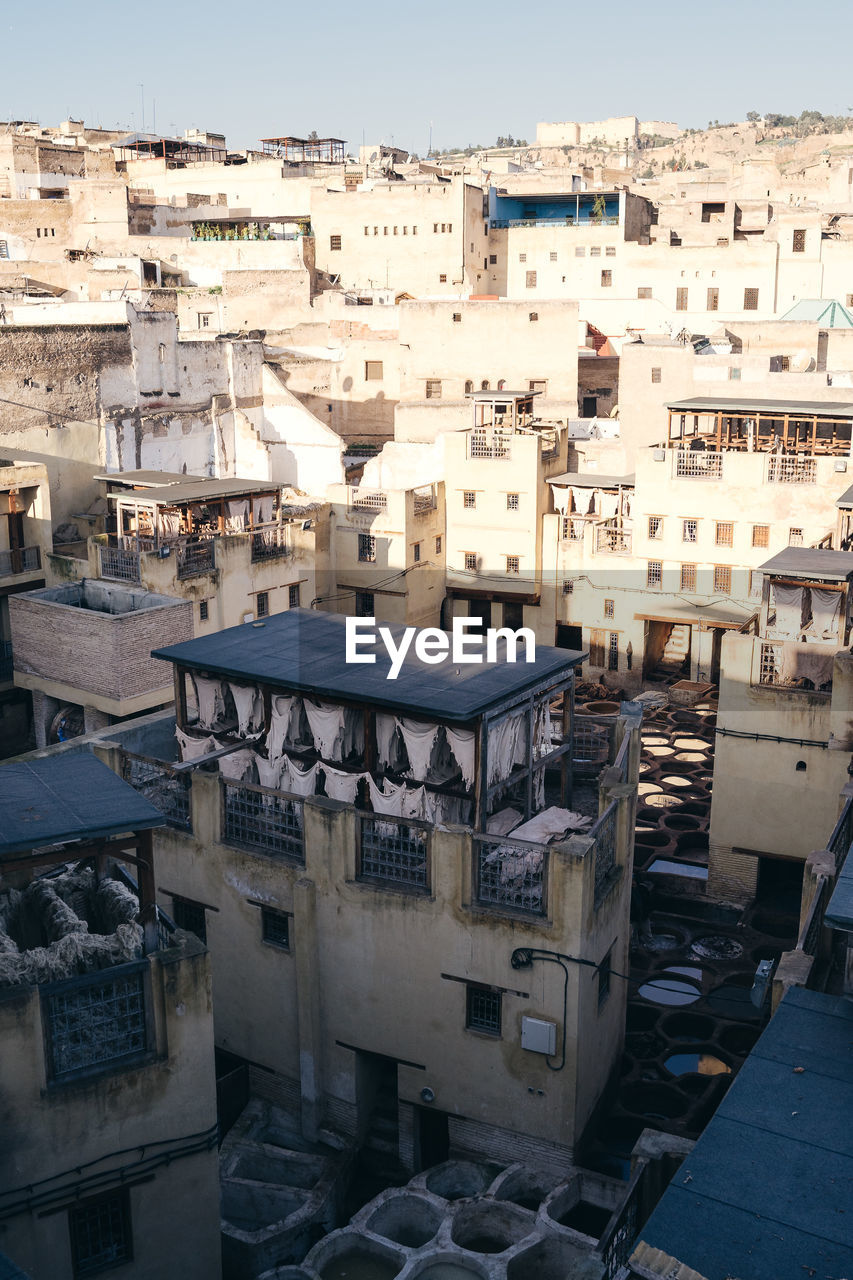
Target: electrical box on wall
539 1036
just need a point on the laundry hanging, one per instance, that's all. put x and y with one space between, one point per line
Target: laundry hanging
826 606
302 782
340 785
263 504
281 710
502 745
462 745
269 772
238 766
789 604
194 748
327 727
210 701
388 801
353 736
420 740
414 803
386 727
170 524
562 499
249 703
807 662
236 515
609 505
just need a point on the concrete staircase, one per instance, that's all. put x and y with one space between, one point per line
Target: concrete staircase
672 666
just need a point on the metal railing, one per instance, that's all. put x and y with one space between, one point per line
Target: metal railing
369 500
698 465
842 835
19 560
573 529
394 852
195 557
484 443
583 224
809 938
262 820
768 663
510 874
158 781
604 852
613 541
271 544
95 1021
782 468
617 1243
119 565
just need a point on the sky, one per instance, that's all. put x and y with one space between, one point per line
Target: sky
462 73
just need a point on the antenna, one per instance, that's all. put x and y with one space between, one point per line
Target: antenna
142 91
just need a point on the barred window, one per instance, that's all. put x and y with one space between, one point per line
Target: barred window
512 502
394 853
522 257
262 604
552 256
366 546
364 605
761 535
580 251
438 545
644 292
101 1234
457 317
95 1022
713 300
725 533
513 564
190 916
799 240
606 279
613 652
688 577
203 611
722 579
681 299
595 251
750 299
656 374
610 251
690 530
416 552
530 279
795 537
655 527
334 242
275 928
483 1010
469 499
293 596
609 606
654 573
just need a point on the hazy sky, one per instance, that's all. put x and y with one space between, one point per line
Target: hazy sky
475 70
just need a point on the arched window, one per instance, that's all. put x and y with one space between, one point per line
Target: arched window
502 384
484 385
469 386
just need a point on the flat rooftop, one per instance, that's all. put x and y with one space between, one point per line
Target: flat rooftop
744 408
190 489
809 562
590 480
766 1192
305 650
67 797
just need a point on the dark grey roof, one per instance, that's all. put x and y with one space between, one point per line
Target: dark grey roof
305 650
193 489
501 395
845 502
591 480
839 913
67 797
766 1192
800 408
148 479
808 562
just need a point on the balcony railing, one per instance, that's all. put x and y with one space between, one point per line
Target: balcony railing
271 544
604 852
119 565
19 560
195 557
611 541
698 465
782 664
842 835
573 529
510 874
162 787
394 853
263 821
368 500
425 500
95 1022
489 444
585 224
782 468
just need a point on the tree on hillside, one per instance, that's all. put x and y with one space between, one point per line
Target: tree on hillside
753 117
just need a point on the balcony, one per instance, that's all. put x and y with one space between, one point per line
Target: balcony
794 666
194 558
503 224
367 500
119 564
19 560
271 544
613 541
697 465
424 499
783 468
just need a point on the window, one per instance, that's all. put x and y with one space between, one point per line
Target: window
262 605
4 248
798 243
435 228
604 972
203 611
530 279
416 553
596 648
493 259
364 604
484 385
95 1023
795 537
204 318
725 533
190 916
335 241
713 301
580 251
469 387
654 573
373 371
457 317
534 315
538 384
722 579
656 374
655 526
433 389
483 1010
734 373
606 279
101 1236
689 530
522 257
552 257
293 593
644 292
471 561
469 499
442 279
595 251
761 535
613 652
512 564
756 583
438 545
275 928
609 606
688 577
366 547
610 251
681 299
750 299
512 502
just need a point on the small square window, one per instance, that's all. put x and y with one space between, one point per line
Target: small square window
656 374
190 916
725 533
438 545
609 606
713 300
538 384
605 970
530 279
457 317
433 389
275 928
610 251
513 564
293 596
606 279
580 251
101 1236
262 604
734 374
690 531
512 502
654 573
203 611
471 561
366 547
483 1010
722 579
644 292
364 604
334 242
595 251
522 257
688 577
552 256
761 535
373 370
750 299
442 279
795 537
469 499
493 259
534 315
655 527
416 552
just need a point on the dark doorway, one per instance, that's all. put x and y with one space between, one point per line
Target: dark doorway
377 1165
780 885
433 1137
481 609
716 648
513 615
590 406
569 637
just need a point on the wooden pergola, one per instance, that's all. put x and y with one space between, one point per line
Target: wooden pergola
806 428
305 150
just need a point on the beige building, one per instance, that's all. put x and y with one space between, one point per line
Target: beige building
109 1155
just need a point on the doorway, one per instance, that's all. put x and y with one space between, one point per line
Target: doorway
433 1138
569 637
590 406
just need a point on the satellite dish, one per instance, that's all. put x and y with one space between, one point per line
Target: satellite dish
614 412
803 361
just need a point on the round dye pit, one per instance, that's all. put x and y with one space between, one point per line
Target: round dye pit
490 1226
548 1260
732 1001
447 1271
661 801
359 1264
690 757
651 839
654 1101
703 1062
665 990
691 744
457 1180
640 1018
406 1219
681 821
716 947
688 1028
676 780
659 752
